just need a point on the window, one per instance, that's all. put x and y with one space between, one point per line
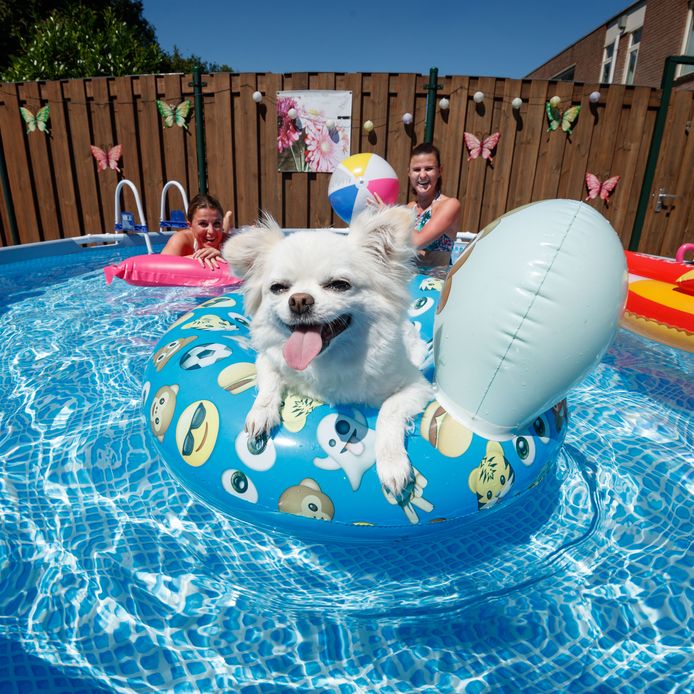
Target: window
632 56
688 43
608 61
566 75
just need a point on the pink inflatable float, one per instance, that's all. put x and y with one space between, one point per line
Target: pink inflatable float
169 271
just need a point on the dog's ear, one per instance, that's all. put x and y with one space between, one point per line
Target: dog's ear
386 234
246 249
246 252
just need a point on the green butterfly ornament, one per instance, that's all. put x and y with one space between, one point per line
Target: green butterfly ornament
174 115
558 119
38 121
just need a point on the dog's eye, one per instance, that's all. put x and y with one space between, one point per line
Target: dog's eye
278 288
339 285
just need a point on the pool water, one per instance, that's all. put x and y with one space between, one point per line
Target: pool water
113 578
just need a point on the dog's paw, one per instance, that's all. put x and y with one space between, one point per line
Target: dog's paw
395 474
261 420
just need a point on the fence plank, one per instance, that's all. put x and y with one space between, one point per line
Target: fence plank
85 166
295 184
174 141
191 149
666 173
19 166
505 122
375 109
319 205
625 161
679 221
479 123
105 137
42 175
270 178
68 218
352 82
220 150
605 136
246 151
401 139
151 149
553 146
125 111
528 137
448 136
575 160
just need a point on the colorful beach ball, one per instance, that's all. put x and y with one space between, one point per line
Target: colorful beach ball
356 179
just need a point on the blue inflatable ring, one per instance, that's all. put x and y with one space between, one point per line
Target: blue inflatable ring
317 473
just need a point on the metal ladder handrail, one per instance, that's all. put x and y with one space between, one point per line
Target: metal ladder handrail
167 223
141 228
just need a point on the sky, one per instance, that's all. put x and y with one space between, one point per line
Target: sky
496 38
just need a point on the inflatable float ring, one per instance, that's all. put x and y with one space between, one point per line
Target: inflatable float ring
316 475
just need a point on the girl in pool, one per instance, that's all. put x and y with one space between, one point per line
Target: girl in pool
206 231
437 215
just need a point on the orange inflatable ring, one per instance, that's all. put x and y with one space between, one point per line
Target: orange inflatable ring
660 303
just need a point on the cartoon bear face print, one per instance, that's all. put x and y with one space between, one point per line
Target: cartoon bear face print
162 410
163 355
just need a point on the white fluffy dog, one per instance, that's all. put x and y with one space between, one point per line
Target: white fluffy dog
329 317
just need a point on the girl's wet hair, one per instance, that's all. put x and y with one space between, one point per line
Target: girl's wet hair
203 201
428 148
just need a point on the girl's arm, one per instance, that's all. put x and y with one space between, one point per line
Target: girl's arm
177 245
444 217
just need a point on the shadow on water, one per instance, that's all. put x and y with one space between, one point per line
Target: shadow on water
481 557
640 368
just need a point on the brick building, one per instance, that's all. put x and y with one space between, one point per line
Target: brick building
630 48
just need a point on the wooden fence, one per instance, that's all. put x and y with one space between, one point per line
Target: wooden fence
57 192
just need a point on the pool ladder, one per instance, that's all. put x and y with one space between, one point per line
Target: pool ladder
125 221
178 217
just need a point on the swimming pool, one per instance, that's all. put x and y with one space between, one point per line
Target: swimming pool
113 577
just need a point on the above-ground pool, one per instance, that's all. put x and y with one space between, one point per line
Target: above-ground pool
112 577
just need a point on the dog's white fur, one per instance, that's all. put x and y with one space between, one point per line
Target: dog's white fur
369 362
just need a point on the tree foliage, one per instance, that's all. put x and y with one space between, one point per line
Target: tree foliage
177 62
83 38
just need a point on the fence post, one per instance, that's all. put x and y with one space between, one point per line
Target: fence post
654 150
431 88
7 194
197 85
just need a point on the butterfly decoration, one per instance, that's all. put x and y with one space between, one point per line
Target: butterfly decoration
38 121
558 119
174 115
107 159
483 148
603 189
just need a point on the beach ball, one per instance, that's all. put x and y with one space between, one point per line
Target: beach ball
356 179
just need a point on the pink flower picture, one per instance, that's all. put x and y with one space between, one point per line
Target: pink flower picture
313 130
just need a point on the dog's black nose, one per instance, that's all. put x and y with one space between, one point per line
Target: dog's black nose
301 303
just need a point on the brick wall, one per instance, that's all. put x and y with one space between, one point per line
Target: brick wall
661 36
585 54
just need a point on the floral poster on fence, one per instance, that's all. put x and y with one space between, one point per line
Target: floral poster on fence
313 129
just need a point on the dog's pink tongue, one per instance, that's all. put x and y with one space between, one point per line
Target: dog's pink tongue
302 347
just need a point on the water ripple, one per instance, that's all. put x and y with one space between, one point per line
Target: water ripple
112 576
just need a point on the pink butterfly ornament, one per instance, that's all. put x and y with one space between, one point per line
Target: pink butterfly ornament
481 148
598 188
107 159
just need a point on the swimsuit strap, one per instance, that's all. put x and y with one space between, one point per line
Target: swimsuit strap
425 215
